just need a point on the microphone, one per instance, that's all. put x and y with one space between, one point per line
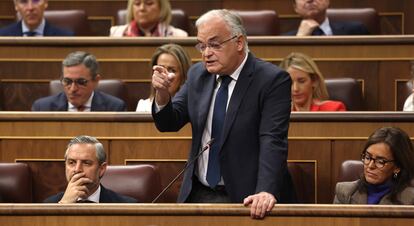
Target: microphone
189 163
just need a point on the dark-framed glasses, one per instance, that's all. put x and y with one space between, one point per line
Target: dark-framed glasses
213 45
25 2
378 162
80 82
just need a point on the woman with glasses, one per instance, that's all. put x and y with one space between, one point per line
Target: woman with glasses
147 18
177 61
309 91
388 159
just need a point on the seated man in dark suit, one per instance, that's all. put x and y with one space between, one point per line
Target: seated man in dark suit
79 80
85 164
315 22
32 22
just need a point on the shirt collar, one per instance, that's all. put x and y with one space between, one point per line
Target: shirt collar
236 73
88 104
39 30
325 27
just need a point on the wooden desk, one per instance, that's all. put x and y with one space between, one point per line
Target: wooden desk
325 138
202 215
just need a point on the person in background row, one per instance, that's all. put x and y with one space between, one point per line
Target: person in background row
32 23
409 102
388 175
241 102
147 18
177 61
309 91
85 165
315 21
80 79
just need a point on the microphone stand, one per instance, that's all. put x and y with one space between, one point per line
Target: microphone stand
208 145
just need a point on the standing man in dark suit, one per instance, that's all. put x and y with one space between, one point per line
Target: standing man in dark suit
80 79
315 22
244 104
85 165
32 23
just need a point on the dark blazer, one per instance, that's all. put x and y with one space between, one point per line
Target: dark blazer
15 29
343 28
349 193
254 147
106 196
100 102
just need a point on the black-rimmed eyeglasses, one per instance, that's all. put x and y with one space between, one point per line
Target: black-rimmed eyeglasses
80 82
378 162
214 45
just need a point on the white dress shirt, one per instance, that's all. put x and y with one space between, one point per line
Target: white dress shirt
409 104
326 27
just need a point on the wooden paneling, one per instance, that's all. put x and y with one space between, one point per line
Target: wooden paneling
377 61
324 138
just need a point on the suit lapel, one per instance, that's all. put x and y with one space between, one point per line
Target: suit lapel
61 104
337 28
242 84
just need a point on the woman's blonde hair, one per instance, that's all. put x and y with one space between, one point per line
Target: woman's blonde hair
305 63
179 54
165 11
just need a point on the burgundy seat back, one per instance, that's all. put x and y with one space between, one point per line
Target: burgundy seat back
74 20
347 90
15 183
141 182
260 22
350 170
367 16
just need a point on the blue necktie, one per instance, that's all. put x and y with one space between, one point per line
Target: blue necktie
317 32
219 113
30 33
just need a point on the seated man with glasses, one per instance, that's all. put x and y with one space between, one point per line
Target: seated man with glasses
32 22
388 158
80 79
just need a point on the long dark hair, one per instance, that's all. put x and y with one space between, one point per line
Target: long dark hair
403 152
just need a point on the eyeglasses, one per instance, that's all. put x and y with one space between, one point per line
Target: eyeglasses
80 82
214 45
379 162
25 2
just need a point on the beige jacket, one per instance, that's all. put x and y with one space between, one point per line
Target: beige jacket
348 193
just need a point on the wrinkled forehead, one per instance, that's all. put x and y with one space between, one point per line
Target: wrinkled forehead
213 30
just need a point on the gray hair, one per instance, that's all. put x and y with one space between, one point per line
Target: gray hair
232 19
80 57
83 139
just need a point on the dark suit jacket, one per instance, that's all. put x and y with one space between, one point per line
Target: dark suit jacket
253 148
106 196
349 193
100 102
15 29
343 28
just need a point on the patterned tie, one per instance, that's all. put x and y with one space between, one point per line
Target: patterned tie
30 33
318 32
219 113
